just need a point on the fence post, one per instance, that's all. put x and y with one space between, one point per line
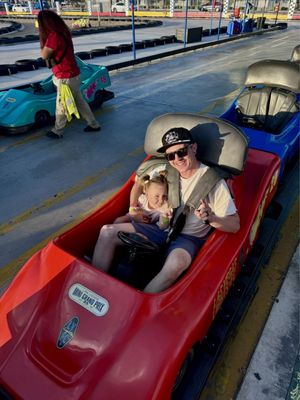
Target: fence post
291 9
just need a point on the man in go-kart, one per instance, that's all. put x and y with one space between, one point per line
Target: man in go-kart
216 209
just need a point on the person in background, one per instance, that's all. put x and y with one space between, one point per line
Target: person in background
56 43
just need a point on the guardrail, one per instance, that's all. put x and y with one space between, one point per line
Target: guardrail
283 16
27 65
142 60
76 32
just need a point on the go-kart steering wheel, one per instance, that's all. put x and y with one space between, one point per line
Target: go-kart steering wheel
135 240
37 87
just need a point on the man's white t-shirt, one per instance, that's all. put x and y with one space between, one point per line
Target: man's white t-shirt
219 200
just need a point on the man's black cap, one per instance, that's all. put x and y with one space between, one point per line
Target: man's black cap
175 136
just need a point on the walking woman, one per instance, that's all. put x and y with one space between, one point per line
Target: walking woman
56 43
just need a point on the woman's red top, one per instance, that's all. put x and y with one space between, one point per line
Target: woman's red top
67 68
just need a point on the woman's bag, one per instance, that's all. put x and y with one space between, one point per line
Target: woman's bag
51 62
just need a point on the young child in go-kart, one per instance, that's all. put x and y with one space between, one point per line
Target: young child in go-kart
152 206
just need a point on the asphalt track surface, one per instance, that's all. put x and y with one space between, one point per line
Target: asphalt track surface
48 186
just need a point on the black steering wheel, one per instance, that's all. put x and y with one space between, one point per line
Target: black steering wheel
134 240
37 87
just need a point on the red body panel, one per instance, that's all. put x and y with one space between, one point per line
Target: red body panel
135 350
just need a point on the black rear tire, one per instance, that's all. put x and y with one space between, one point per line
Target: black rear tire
98 99
183 369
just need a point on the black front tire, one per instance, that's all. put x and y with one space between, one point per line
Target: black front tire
98 99
182 373
42 118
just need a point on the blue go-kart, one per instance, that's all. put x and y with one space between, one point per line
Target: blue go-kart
267 109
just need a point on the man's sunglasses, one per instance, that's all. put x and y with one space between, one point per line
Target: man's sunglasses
180 153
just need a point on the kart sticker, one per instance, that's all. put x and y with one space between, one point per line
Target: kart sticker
256 224
10 99
91 89
225 286
67 332
89 300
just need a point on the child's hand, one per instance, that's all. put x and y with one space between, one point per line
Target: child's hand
164 219
169 213
142 218
138 215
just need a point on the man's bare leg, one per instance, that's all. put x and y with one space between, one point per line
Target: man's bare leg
177 262
106 244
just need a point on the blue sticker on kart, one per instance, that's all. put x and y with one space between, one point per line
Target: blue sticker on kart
67 332
88 299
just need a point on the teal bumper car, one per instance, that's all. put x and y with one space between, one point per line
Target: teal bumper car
33 105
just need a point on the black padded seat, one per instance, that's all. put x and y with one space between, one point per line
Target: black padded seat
269 100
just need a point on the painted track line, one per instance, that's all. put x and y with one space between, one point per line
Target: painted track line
61 196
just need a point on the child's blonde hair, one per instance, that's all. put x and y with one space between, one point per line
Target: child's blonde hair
159 177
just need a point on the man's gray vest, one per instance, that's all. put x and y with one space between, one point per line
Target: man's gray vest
203 186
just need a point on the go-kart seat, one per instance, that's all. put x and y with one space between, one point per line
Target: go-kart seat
282 107
295 57
85 73
85 70
269 100
266 109
252 107
37 88
220 143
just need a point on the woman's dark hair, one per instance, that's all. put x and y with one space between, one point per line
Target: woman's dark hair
48 22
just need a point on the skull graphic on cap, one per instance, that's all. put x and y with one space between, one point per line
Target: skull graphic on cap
171 137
